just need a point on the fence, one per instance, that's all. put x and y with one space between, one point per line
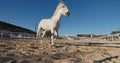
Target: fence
8 34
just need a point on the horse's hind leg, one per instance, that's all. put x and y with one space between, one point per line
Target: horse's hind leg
38 33
38 36
44 32
56 35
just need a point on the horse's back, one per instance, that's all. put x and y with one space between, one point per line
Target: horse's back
45 24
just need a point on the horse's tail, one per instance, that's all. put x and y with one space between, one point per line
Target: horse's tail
38 33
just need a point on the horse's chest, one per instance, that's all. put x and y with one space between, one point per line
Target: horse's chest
56 25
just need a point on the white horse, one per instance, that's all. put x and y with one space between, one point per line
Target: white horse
52 24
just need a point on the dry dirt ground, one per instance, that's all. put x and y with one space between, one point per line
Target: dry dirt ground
64 51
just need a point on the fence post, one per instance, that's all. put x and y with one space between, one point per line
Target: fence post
10 34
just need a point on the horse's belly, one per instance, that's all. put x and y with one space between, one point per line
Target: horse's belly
45 27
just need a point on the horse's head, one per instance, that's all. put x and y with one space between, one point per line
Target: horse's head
63 9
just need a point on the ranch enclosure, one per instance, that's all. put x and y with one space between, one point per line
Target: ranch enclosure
64 51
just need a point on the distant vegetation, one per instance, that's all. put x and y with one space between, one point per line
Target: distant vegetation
115 32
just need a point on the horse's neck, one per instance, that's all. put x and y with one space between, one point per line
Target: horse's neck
57 16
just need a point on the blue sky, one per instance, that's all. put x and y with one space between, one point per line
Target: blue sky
87 16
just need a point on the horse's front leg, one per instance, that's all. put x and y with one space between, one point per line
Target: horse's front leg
52 36
55 34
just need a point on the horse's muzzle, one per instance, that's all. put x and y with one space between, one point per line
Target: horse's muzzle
68 13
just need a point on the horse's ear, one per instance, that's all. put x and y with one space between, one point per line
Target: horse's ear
61 1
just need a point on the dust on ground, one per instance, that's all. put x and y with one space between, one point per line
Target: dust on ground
64 51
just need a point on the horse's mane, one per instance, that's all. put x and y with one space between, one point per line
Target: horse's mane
58 7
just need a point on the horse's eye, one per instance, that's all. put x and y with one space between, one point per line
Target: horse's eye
63 6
